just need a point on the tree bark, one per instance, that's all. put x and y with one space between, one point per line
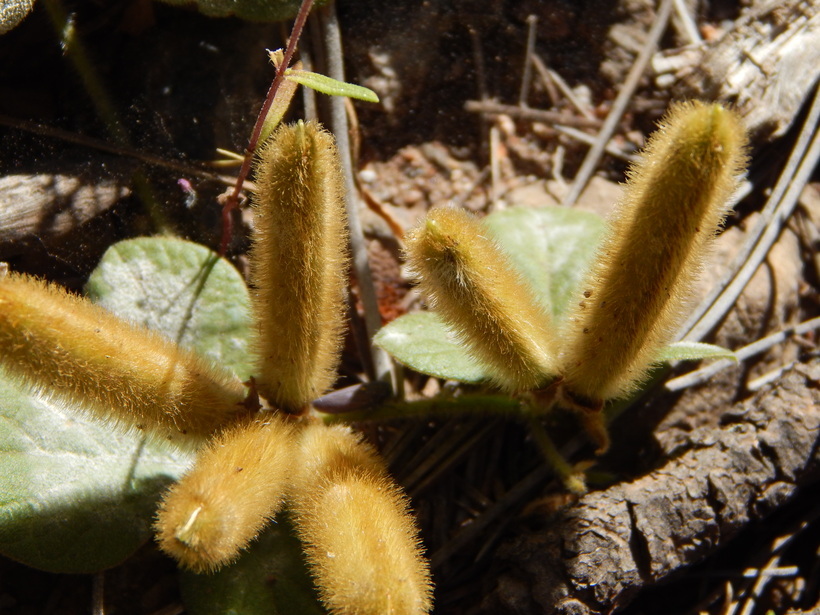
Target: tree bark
602 550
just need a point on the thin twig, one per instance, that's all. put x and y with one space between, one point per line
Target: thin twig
232 202
778 208
446 457
495 168
118 150
772 376
611 148
771 568
381 362
619 106
688 27
538 115
526 77
98 594
553 77
511 499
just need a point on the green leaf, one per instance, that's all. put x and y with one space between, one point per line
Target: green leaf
692 351
12 12
269 579
551 246
182 289
332 87
422 342
252 10
77 495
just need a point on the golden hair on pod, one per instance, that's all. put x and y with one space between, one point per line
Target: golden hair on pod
635 296
236 486
78 353
357 529
298 265
471 283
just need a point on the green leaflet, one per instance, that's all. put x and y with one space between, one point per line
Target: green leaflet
269 579
75 495
692 351
182 289
551 246
423 342
329 86
252 10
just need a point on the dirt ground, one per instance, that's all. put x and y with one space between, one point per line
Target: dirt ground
455 124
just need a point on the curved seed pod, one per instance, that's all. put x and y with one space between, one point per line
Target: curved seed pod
470 281
636 294
236 486
78 353
298 265
356 528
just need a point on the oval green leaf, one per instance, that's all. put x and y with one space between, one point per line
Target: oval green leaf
252 10
423 342
75 495
551 246
182 289
269 579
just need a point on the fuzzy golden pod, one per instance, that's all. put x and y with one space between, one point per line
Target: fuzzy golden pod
77 353
235 488
328 450
470 281
357 529
637 293
298 265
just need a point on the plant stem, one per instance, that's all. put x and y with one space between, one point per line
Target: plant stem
572 479
466 405
233 200
381 362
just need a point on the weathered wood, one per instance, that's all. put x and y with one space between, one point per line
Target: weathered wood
50 205
600 551
766 64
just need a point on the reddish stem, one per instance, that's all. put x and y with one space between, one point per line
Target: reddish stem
232 202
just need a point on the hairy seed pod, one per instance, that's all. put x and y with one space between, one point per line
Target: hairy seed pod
471 283
298 265
78 353
356 527
236 486
636 294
